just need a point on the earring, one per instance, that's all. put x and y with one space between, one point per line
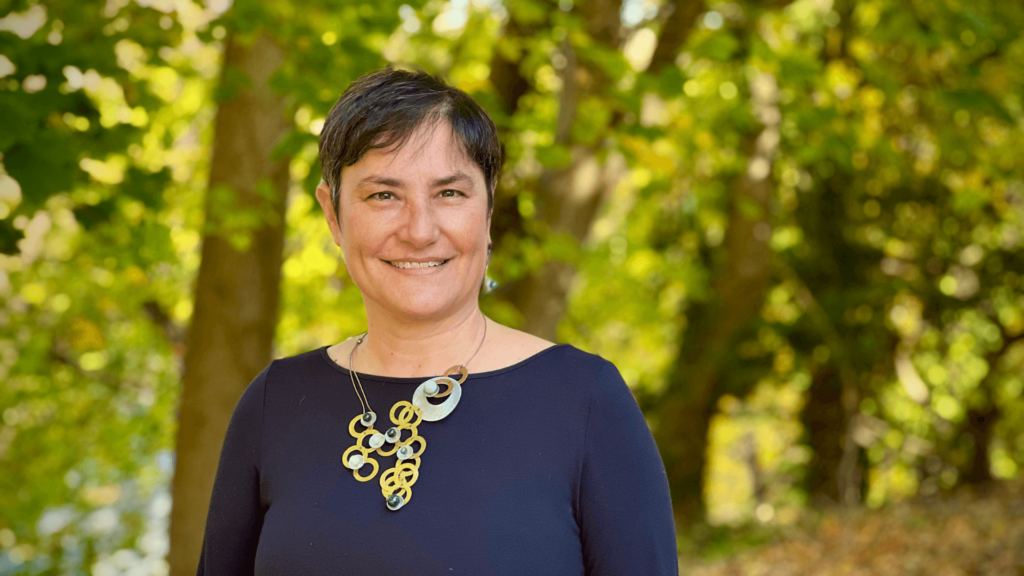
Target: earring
489 285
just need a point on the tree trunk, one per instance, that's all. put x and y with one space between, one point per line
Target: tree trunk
236 297
981 420
826 423
569 198
568 205
831 416
674 32
739 287
980 425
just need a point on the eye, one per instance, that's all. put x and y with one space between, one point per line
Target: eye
381 196
451 193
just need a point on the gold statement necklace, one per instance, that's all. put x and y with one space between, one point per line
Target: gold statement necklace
402 439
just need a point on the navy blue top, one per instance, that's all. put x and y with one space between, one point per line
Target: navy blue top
545 467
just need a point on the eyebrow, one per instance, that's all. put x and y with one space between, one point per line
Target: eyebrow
382 180
460 177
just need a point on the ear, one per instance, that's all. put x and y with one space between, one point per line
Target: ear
323 196
490 241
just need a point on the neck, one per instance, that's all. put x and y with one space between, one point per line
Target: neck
396 347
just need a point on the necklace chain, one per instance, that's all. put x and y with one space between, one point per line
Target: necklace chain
357 385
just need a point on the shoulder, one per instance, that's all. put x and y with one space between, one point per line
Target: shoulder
596 384
584 366
291 374
508 347
299 365
585 377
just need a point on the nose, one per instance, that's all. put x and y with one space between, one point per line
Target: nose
420 228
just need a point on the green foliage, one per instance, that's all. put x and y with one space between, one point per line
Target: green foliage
57 115
896 217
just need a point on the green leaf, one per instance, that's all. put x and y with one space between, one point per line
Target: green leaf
977 101
670 82
554 156
717 46
43 166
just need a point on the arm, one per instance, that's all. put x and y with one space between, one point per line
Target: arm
624 509
236 511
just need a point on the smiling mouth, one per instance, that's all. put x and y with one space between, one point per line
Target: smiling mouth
406 265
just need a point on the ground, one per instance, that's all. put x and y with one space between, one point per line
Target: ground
974 531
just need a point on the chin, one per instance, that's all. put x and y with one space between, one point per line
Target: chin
423 306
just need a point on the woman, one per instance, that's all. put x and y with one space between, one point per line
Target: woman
525 457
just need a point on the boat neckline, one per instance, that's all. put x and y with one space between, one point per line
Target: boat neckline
419 379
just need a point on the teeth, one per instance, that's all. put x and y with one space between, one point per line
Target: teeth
417 264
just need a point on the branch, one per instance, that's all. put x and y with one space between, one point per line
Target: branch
59 353
603 22
675 32
175 334
508 83
568 100
1008 341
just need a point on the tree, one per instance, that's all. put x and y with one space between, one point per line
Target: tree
584 170
796 233
237 289
230 339
88 380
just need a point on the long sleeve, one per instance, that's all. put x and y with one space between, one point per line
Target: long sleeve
236 511
624 509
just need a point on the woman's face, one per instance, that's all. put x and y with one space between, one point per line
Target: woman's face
414 225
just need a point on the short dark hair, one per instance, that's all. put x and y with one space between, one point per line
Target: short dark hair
381 109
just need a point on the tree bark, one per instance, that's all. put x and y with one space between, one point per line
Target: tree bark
980 426
826 423
237 290
569 198
674 33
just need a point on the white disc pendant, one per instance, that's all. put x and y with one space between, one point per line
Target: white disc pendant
435 412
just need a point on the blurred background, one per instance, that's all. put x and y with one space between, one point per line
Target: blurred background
795 227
